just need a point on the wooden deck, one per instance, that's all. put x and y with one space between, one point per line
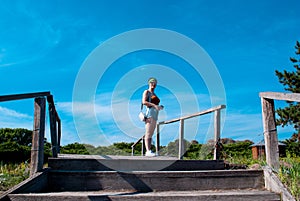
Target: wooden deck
115 157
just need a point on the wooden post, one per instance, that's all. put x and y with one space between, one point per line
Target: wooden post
270 133
143 146
217 121
58 134
181 140
53 127
157 139
37 150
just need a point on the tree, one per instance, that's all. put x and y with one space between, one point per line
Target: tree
74 148
290 115
15 144
21 136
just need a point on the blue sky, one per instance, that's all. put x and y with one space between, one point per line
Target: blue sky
46 46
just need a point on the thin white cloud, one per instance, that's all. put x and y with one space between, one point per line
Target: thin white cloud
12 119
242 126
12 113
81 109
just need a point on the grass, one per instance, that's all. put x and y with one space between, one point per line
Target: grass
12 174
245 161
289 171
289 174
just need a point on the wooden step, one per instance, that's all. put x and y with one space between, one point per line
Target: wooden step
224 195
95 178
130 163
147 181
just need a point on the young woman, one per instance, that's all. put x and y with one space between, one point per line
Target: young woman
151 101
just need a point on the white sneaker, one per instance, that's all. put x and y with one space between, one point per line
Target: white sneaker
149 153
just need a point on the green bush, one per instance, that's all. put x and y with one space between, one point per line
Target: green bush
19 135
15 145
292 147
193 151
237 149
12 151
74 148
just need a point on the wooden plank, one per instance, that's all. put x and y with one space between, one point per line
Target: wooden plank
281 96
23 96
53 126
143 146
57 116
194 115
37 150
270 133
138 141
217 120
169 121
181 140
204 112
269 124
58 133
50 99
274 184
157 145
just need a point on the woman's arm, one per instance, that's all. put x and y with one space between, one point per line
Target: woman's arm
146 98
146 102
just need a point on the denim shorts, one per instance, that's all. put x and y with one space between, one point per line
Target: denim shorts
152 112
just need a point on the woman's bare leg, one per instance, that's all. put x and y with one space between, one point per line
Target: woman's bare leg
150 127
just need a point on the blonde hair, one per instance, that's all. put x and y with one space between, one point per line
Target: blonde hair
152 79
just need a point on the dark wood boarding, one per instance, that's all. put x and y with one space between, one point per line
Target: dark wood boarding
130 163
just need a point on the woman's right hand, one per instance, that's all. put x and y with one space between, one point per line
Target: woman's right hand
158 107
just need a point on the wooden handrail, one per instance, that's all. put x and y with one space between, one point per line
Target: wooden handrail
193 115
181 132
23 96
269 123
138 141
281 96
38 134
54 129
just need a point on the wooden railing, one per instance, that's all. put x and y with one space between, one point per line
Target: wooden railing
269 123
217 120
38 134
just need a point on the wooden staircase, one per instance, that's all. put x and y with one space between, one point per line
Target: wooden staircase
74 177
141 178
